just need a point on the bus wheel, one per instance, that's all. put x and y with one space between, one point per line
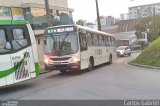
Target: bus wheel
47 68
63 71
110 59
91 65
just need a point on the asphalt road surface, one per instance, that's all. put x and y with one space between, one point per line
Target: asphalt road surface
117 81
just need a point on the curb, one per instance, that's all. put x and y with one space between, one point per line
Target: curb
144 66
137 51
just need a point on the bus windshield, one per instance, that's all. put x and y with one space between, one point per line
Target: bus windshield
61 44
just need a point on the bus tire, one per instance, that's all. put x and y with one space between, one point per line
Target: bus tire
63 71
91 64
110 59
47 68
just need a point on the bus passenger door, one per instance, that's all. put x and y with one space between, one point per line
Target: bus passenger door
83 50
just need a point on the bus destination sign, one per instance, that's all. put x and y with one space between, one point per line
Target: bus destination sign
61 30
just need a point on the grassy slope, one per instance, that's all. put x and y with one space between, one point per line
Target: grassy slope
151 55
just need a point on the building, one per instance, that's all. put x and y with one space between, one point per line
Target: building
81 22
127 25
111 29
127 16
144 10
124 32
87 24
122 16
34 11
122 26
126 39
107 21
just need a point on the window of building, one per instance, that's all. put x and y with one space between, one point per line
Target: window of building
17 13
39 41
45 42
5 11
38 11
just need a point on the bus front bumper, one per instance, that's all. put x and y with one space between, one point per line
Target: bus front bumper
71 66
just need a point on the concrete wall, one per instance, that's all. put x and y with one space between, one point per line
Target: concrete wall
18 3
40 47
9 3
122 43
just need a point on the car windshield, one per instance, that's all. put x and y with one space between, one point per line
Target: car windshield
61 44
121 48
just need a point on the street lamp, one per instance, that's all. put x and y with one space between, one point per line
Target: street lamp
98 18
49 22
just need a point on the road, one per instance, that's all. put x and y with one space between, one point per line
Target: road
116 81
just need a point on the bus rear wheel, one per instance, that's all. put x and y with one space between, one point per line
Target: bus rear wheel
63 71
48 68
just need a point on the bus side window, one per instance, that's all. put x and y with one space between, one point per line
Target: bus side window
19 40
95 39
4 43
111 41
107 42
83 41
100 40
89 39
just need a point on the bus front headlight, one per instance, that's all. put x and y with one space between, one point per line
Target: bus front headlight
75 59
47 61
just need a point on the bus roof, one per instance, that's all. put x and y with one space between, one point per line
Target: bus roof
13 22
83 27
94 30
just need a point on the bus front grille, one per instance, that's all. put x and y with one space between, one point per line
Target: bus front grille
60 59
61 66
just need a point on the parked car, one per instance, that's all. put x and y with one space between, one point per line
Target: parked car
123 50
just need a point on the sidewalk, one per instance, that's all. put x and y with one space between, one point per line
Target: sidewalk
144 66
136 51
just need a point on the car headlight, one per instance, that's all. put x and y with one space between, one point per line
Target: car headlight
122 52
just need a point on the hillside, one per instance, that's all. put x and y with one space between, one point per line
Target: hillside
150 56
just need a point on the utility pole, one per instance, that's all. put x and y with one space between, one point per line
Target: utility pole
98 18
154 15
49 22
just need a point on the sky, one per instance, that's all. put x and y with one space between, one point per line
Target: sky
86 9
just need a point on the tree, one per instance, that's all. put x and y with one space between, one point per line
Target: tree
149 25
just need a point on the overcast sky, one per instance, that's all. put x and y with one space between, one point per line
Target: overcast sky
86 9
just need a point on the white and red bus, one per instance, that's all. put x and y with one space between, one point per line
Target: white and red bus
73 47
